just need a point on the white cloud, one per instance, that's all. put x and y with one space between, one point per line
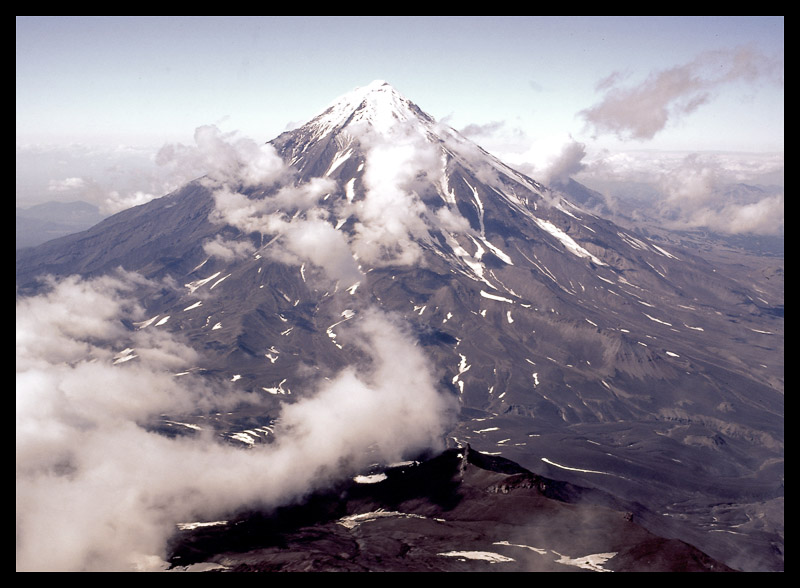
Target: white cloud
719 191
66 185
640 112
390 218
228 250
116 202
224 158
97 490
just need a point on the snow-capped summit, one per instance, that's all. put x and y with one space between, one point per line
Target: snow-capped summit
377 105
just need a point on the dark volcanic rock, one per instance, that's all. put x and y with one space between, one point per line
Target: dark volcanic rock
458 511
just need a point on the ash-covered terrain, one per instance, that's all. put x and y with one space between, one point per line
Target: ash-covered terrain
457 511
373 285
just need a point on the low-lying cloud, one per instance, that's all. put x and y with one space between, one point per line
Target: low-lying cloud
699 193
725 192
97 490
385 225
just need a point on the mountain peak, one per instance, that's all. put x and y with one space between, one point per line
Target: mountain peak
377 105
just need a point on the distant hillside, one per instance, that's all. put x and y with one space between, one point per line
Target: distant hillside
43 222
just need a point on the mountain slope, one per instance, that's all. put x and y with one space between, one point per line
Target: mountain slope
572 346
457 511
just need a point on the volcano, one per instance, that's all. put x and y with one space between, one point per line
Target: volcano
583 351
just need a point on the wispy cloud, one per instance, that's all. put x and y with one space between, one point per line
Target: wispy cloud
641 111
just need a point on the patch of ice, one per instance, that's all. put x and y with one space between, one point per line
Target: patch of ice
198 525
352 521
536 549
566 240
372 479
187 425
349 191
279 389
761 332
657 320
481 555
147 323
563 467
338 160
124 355
592 562
244 438
215 284
192 286
495 297
664 252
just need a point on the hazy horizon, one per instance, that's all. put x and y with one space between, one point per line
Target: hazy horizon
685 104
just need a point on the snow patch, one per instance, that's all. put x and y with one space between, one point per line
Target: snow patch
566 240
192 286
495 297
124 355
352 521
198 525
657 320
489 556
592 562
372 479
279 389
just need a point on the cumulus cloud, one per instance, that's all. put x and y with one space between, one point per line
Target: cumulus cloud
725 192
117 202
281 208
66 185
223 159
315 240
227 250
386 224
763 217
699 193
566 164
97 490
299 234
642 111
391 217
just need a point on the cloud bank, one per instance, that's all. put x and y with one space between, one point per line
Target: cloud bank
257 193
725 192
97 490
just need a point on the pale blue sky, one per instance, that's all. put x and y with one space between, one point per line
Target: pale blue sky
613 99
127 79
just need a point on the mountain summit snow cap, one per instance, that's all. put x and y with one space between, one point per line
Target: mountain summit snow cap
377 104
